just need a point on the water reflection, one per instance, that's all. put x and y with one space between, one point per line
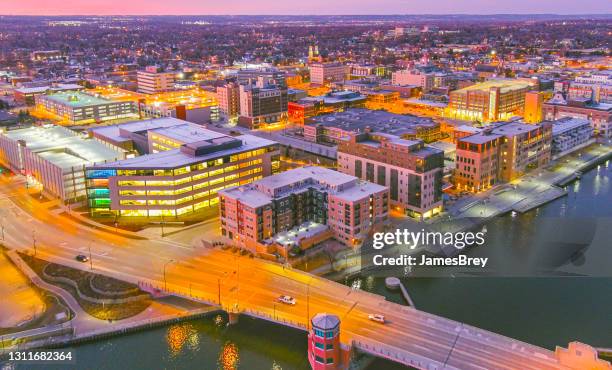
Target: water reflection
229 358
180 334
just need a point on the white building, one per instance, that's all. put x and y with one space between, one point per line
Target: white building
55 157
570 134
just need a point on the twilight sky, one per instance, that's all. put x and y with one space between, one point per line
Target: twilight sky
170 7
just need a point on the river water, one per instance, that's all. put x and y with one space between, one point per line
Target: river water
543 311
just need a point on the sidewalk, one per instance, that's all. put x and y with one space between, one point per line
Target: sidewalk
82 325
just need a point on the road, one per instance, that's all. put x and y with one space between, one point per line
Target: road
245 283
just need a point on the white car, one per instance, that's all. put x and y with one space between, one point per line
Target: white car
287 300
377 317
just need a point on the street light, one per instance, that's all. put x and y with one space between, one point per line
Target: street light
162 224
2 227
90 259
308 304
34 240
165 282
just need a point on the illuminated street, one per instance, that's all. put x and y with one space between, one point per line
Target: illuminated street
250 284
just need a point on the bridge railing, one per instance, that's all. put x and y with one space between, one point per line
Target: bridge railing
276 319
396 354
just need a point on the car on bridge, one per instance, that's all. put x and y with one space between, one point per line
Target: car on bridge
377 317
81 258
287 300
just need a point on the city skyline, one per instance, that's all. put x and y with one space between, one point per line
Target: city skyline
315 7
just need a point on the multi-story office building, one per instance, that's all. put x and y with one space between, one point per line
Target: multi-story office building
569 134
411 171
288 207
152 80
493 100
593 91
502 152
78 108
262 104
228 96
323 73
599 114
413 77
194 105
55 158
187 167
267 76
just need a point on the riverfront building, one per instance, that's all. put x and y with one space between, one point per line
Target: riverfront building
411 171
180 178
296 206
493 100
502 152
55 158
78 108
570 134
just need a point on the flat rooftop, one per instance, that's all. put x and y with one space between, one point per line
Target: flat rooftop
77 99
293 236
188 133
113 132
499 130
174 158
505 85
358 119
64 147
260 192
567 124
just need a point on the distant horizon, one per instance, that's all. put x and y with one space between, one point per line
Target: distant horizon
301 15
310 8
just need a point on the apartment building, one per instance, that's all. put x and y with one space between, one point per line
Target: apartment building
287 208
152 80
412 171
502 152
569 134
228 96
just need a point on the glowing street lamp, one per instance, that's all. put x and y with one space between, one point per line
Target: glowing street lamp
165 281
